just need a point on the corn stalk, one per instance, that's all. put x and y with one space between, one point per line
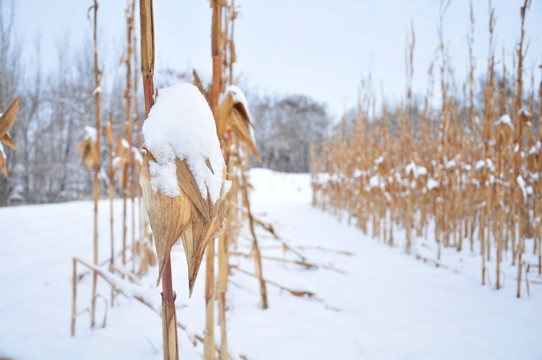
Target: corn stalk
169 319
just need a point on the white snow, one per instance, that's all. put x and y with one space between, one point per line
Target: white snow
421 171
125 144
505 120
523 187
97 90
137 155
359 173
480 164
525 112
535 149
450 165
411 168
181 126
116 160
91 133
238 96
432 184
376 181
376 303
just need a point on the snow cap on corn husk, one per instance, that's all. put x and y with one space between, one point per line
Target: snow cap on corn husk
6 122
235 116
183 175
88 148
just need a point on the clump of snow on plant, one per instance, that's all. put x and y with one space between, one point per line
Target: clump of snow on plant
91 133
432 184
505 120
181 126
238 97
524 111
237 94
97 90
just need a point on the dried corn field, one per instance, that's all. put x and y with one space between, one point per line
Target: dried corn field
417 232
465 175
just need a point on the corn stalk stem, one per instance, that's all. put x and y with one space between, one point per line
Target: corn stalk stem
169 328
169 318
216 50
74 297
111 206
97 78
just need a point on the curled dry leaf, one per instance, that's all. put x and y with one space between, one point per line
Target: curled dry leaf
235 117
6 122
89 152
122 159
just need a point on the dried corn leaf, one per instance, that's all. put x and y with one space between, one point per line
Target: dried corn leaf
197 82
88 152
3 166
188 185
206 220
109 133
234 116
168 217
6 122
7 141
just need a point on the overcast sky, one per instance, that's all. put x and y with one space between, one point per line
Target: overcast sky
314 47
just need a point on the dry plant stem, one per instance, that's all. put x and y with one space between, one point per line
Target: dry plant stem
216 50
125 175
111 207
518 197
233 16
74 297
169 332
255 247
222 284
128 106
539 201
209 338
270 282
169 320
97 79
192 337
147 51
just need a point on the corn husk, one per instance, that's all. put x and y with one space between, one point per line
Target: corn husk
188 217
89 153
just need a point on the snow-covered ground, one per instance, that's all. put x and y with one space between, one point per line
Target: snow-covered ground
371 302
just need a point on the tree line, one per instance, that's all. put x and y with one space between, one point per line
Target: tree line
57 103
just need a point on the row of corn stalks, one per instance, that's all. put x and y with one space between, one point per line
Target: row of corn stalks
124 162
469 174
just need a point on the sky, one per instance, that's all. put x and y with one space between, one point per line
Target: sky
313 47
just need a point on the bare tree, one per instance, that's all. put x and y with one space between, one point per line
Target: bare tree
286 128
